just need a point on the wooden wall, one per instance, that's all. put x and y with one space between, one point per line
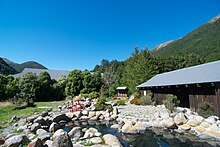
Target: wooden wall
191 96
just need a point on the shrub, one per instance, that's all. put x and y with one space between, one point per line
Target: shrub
84 95
147 100
136 95
121 102
206 109
135 101
170 102
100 104
94 95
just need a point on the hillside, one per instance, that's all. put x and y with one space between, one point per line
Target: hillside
5 68
203 41
21 67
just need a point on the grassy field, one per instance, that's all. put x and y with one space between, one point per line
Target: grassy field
7 110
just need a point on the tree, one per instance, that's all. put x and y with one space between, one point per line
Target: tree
28 86
12 87
3 83
74 83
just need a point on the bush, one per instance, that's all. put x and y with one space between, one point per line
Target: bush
170 102
100 105
84 95
206 109
147 100
94 95
121 102
135 101
136 95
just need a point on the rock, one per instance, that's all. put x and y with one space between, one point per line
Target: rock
169 123
205 125
128 128
41 131
44 137
212 119
85 112
98 113
35 127
213 127
111 140
15 118
57 118
115 111
199 129
180 119
32 118
212 134
140 127
107 115
76 133
185 127
61 139
199 119
84 117
115 126
78 114
91 114
70 115
157 124
94 118
16 140
96 140
62 123
164 115
22 128
44 114
192 123
49 143
36 143
98 134
2 141
54 127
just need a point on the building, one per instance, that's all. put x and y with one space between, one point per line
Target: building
54 74
122 92
193 86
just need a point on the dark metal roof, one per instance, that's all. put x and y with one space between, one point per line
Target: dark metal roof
204 73
54 74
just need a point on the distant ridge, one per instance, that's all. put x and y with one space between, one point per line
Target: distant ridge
5 68
20 67
203 41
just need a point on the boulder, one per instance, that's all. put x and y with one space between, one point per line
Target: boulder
16 140
44 114
199 129
35 127
32 118
84 117
91 132
57 118
48 143
36 143
157 124
78 114
128 128
213 127
2 140
169 123
140 126
54 127
199 119
115 111
61 139
91 114
115 126
205 125
44 137
96 140
212 134
98 113
94 118
85 112
70 115
185 127
111 140
180 119
192 123
76 133
41 131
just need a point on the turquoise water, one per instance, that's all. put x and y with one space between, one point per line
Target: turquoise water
150 138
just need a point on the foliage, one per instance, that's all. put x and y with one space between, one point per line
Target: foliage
94 95
100 104
206 109
29 64
135 101
170 102
147 100
5 68
136 95
121 102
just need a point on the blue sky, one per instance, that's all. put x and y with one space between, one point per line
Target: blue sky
71 34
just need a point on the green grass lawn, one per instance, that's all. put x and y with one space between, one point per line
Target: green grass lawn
8 111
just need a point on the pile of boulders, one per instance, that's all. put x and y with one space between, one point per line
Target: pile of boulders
181 121
47 129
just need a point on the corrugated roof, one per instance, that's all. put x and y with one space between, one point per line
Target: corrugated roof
121 88
204 73
54 74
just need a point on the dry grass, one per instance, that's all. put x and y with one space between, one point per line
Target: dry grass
5 104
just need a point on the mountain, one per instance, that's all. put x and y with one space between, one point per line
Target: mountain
20 67
203 41
5 68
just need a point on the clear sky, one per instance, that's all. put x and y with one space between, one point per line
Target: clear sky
69 34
